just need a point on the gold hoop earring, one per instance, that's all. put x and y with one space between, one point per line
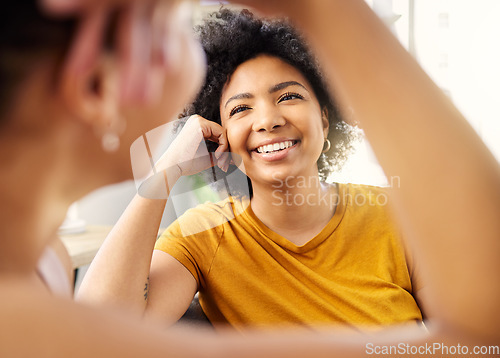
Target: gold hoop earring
328 146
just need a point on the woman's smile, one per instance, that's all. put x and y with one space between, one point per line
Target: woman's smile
275 149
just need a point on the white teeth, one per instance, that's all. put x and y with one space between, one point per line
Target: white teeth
274 147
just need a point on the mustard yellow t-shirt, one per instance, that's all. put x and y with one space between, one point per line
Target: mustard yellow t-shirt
354 273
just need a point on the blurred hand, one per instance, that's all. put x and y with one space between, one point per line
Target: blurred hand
145 32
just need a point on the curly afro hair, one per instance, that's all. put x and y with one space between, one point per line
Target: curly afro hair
230 38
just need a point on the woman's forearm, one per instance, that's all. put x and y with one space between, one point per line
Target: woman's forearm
119 273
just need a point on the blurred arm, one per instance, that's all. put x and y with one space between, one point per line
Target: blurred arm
449 198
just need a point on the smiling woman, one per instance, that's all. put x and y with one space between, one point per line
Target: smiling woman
230 40
297 251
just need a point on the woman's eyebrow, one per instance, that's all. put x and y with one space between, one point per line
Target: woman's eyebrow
277 87
282 85
238 96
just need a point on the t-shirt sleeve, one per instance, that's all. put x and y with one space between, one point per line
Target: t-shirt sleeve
193 240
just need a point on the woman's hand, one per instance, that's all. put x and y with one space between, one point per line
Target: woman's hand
148 37
188 155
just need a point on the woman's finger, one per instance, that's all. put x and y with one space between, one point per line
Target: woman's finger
147 45
151 45
87 43
135 35
223 144
211 131
223 161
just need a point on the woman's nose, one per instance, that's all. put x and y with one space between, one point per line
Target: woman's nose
268 119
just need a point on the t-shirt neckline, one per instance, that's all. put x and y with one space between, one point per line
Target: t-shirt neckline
329 228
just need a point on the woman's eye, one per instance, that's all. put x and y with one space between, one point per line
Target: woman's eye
238 109
288 96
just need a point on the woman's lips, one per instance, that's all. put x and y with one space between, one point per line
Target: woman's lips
275 146
274 155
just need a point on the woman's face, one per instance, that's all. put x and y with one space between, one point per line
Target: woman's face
273 119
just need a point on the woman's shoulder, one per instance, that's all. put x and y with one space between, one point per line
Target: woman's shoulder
363 194
226 207
366 202
353 187
212 215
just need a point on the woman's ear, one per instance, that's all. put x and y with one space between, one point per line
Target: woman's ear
325 121
93 97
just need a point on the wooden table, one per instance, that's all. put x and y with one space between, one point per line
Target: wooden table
83 247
